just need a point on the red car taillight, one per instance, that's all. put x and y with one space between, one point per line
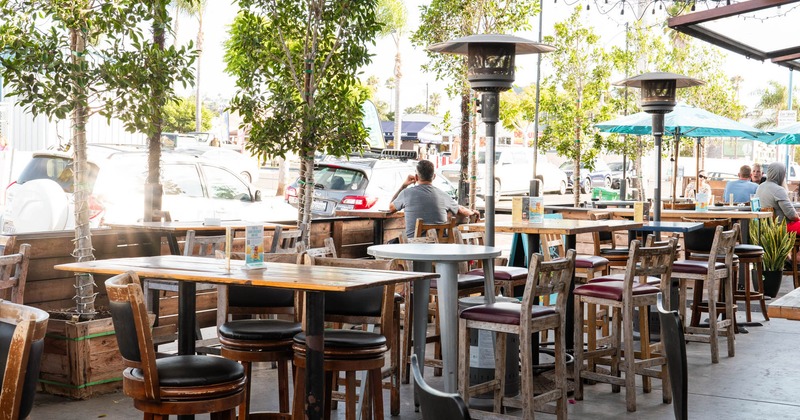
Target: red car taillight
360 202
290 192
96 208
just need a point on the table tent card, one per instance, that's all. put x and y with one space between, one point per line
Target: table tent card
536 209
638 211
702 202
254 246
520 209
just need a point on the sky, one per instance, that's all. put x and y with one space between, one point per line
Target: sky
607 21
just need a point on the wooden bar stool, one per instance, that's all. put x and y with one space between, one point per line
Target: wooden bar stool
177 385
711 275
544 279
260 340
750 255
623 296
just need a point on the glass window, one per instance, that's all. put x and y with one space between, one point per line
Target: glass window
224 185
181 180
338 179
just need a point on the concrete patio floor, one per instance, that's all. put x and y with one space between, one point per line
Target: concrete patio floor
760 382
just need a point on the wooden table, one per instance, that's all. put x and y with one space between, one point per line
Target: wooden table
314 280
187 290
446 257
786 306
677 227
568 227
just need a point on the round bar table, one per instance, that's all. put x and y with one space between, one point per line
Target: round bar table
446 257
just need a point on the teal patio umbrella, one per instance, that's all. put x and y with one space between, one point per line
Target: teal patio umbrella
684 121
789 134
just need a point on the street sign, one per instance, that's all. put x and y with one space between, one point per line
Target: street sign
787 117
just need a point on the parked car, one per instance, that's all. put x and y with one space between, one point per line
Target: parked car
513 172
599 177
194 188
616 173
358 184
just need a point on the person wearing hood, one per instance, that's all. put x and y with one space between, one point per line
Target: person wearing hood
772 193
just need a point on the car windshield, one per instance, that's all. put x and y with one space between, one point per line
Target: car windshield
338 178
55 168
615 166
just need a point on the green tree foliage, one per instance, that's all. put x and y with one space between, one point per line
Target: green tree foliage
296 65
518 109
179 116
572 97
84 57
444 20
773 98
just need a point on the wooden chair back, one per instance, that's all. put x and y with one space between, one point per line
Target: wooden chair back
444 231
435 404
13 273
546 278
251 300
722 245
7 243
132 327
672 337
644 262
160 216
327 250
22 330
286 240
203 246
602 238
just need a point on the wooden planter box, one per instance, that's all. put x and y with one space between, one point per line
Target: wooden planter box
81 359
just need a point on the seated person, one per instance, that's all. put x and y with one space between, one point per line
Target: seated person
757 175
741 188
772 193
424 201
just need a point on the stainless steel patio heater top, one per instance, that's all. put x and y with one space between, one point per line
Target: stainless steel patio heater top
490 70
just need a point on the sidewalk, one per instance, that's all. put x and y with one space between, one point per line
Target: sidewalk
759 383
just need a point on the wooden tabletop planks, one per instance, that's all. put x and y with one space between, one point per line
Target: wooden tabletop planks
210 270
787 306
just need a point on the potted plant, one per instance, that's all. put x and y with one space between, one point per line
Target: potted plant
777 242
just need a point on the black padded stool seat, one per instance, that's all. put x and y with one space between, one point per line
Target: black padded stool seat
345 339
747 249
590 261
259 330
504 272
612 289
694 267
615 252
193 370
503 312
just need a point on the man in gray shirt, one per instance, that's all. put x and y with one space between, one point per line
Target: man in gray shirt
424 201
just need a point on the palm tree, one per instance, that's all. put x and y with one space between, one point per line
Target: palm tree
196 9
773 99
392 14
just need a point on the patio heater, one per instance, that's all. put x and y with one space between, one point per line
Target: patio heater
658 98
490 70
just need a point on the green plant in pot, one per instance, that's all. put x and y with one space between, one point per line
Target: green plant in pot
777 243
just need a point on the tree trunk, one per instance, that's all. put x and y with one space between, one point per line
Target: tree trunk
153 187
198 103
84 283
398 121
576 184
283 169
463 184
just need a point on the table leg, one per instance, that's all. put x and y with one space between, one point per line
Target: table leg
569 318
447 287
315 346
420 328
186 316
377 231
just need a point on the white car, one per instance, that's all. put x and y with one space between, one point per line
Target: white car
41 199
513 172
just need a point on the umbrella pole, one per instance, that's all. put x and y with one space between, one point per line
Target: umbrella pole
677 138
697 167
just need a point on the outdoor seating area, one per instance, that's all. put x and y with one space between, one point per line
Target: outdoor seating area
606 322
